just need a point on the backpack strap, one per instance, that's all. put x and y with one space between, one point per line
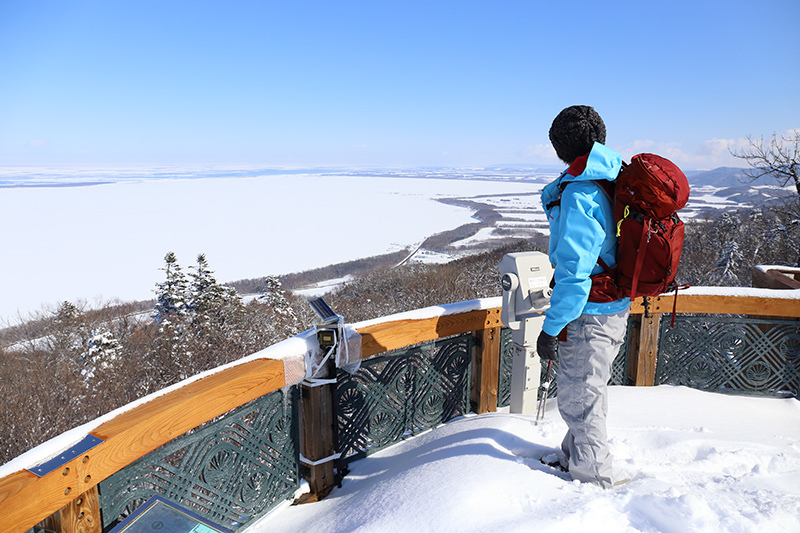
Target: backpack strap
557 201
640 256
604 265
606 186
575 169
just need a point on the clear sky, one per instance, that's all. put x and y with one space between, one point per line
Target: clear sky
387 83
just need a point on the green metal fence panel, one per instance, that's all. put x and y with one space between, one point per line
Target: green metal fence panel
231 470
619 369
731 354
504 375
397 395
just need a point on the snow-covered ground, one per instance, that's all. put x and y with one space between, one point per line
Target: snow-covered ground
323 287
107 241
698 461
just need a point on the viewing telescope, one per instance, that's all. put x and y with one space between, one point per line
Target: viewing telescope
526 295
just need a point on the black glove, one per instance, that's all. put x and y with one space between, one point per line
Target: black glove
547 346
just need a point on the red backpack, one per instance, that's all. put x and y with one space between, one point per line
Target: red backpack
646 196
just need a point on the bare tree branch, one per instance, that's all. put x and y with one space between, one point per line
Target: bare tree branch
779 160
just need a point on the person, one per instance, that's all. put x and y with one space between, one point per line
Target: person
586 334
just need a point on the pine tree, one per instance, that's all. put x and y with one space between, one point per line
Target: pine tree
170 293
730 261
273 295
205 295
102 354
167 363
69 332
209 302
282 320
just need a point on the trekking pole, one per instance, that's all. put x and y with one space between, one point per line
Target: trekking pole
545 388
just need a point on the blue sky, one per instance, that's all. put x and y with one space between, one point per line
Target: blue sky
387 83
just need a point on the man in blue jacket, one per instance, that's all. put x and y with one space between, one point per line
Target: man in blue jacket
587 334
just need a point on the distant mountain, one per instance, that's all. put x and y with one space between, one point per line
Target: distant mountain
719 177
734 185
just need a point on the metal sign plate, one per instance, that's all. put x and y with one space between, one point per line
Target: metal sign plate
160 515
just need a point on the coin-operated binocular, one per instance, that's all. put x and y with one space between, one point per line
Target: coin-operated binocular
526 295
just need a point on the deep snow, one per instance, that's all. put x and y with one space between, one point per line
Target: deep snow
698 461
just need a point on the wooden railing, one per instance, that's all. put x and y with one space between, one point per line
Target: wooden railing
26 498
67 496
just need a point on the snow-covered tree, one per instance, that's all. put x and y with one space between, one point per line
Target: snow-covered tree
67 313
725 271
282 320
206 297
69 334
169 312
209 302
779 160
102 354
171 293
274 296
787 229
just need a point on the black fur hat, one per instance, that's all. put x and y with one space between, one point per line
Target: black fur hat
575 130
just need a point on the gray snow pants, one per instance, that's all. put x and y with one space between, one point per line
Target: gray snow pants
584 369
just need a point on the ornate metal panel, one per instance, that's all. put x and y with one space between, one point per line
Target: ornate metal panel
231 470
731 354
619 369
395 396
506 361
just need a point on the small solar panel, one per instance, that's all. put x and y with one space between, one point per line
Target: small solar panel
323 310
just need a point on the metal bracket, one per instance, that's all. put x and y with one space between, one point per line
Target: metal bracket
318 382
88 442
309 462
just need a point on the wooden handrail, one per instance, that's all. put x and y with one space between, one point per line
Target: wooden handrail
391 335
723 304
26 499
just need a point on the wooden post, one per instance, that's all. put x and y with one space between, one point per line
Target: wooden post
485 371
317 426
643 363
82 515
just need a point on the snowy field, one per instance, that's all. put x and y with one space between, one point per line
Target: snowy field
102 242
698 461
97 236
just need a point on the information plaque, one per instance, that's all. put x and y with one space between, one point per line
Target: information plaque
158 515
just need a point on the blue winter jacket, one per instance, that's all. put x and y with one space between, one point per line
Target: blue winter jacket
582 228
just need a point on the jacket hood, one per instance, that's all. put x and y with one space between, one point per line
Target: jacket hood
601 163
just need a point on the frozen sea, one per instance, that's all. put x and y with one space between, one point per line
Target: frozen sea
97 236
100 235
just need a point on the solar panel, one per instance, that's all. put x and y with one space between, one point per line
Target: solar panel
323 310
